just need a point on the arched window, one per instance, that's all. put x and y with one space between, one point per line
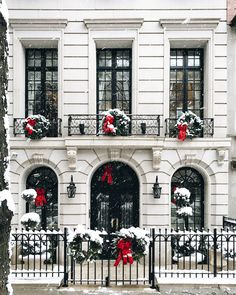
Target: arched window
45 178
192 180
114 197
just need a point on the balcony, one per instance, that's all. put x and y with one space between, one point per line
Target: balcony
207 129
54 129
92 125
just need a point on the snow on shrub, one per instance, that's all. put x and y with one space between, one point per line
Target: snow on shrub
29 195
30 220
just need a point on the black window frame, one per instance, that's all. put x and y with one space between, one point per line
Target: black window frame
185 68
192 180
114 70
42 69
48 180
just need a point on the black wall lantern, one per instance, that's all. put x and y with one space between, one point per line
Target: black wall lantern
156 189
71 189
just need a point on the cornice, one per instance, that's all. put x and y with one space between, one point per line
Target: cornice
113 23
190 23
38 23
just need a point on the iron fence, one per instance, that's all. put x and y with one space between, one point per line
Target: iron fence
53 131
92 125
102 271
207 128
172 254
193 254
41 254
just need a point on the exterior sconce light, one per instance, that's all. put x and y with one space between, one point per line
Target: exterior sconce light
156 189
71 189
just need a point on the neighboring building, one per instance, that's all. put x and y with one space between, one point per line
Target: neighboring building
231 19
71 60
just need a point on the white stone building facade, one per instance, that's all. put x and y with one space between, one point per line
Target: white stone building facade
177 60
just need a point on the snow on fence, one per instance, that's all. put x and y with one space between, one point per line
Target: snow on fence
170 254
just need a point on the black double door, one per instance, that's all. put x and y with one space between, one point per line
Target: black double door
114 197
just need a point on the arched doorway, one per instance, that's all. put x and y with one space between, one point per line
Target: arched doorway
114 197
192 180
44 177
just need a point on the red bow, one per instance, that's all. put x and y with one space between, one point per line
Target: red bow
107 174
29 129
30 121
108 126
40 200
124 252
29 126
182 131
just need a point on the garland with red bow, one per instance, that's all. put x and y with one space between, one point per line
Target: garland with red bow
188 125
35 126
124 252
40 199
115 122
107 175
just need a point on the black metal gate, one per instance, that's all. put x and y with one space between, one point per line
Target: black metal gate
103 272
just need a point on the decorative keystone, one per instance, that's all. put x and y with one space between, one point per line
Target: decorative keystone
114 154
221 153
71 155
156 154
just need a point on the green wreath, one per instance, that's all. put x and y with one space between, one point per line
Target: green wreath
35 126
115 122
188 125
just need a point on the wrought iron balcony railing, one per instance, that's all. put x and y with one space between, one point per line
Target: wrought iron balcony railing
207 128
92 125
53 131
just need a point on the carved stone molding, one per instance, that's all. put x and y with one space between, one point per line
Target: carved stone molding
189 158
71 155
156 154
220 156
37 158
114 154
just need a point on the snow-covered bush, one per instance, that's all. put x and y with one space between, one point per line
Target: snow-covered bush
82 251
182 200
30 220
29 195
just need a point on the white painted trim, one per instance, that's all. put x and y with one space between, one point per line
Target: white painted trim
21 39
140 177
190 23
207 190
32 23
203 39
22 186
113 23
116 37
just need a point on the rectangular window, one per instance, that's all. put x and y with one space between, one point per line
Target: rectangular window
114 79
42 85
186 81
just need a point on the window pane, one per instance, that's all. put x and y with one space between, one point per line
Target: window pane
117 79
41 83
185 78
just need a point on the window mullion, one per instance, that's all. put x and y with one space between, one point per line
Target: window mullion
43 82
113 79
185 81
